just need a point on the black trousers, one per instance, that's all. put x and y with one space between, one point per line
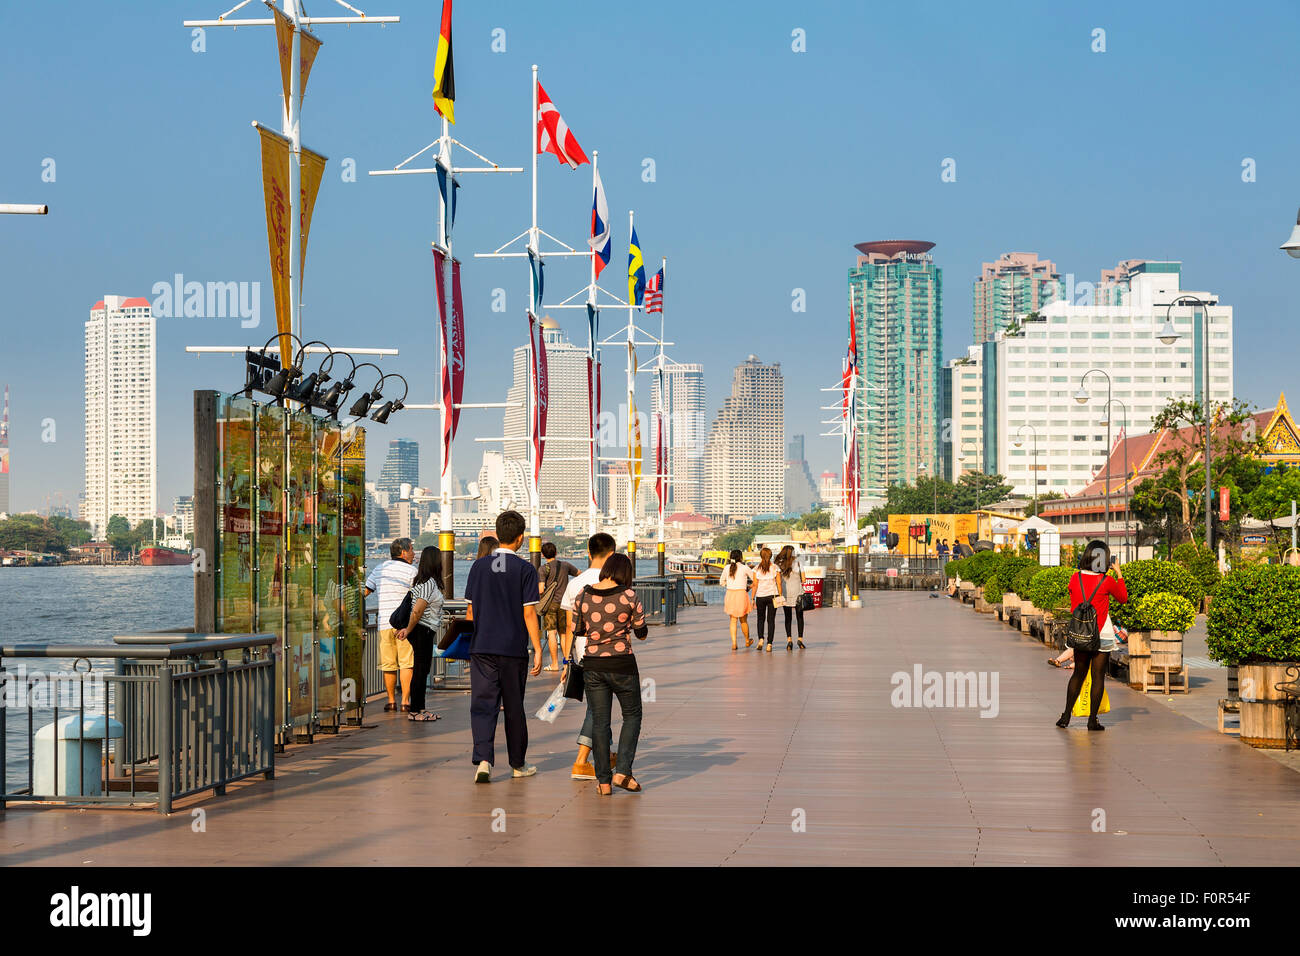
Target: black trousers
766 612
496 682
422 640
798 612
601 688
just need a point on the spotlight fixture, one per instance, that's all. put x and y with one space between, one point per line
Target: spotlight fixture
381 416
266 374
361 407
305 390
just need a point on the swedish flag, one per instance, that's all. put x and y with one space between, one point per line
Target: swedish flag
635 272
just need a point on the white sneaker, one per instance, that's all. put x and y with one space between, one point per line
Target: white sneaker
527 770
484 772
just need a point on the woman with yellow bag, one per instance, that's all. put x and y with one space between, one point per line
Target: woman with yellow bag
1091 589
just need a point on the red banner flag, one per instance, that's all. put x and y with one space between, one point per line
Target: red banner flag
1223 504
661 465
591 430
457 346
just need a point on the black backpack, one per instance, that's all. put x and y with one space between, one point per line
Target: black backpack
1083 633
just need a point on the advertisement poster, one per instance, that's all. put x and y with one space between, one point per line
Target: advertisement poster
353 519
950 528
235 515
270 538
300 605
326 589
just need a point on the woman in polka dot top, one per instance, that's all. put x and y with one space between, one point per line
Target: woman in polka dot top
610 615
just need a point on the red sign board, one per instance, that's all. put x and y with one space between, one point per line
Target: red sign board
1223 504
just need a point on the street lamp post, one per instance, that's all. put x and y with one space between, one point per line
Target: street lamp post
1127 490
962 457
1081 396
1168 336
1020 441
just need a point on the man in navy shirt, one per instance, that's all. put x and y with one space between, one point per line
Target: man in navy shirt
502 595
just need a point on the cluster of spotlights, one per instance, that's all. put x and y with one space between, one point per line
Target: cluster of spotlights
318 389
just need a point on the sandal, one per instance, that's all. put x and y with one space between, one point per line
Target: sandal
801 645
1054 662
390 706
635 788
406 708
749 642
601 791
550 668
424 715
789 645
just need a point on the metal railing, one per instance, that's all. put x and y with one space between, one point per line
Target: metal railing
445 675
170 721
661 597
904 564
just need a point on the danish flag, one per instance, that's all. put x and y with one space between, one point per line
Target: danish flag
553 134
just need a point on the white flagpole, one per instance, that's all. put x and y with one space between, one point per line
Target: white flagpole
595 371
663 443
534 502
632 422
293 130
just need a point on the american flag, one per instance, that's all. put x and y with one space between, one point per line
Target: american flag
654 293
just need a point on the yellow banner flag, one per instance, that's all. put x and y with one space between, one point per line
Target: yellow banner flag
313 168
275 190
308 47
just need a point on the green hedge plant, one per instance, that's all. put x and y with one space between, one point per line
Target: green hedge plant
1151 576
1050 588
1255 616
1161 611
992 593
1020 583
1004 576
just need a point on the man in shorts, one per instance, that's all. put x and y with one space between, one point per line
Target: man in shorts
392 580
554 619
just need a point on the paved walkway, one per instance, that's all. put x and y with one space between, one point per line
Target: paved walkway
738 750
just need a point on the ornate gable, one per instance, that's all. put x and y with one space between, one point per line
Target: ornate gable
1282 437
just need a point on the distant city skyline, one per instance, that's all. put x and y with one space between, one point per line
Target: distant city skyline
1072 190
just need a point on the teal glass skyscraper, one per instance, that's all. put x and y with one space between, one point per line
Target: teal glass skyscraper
897 293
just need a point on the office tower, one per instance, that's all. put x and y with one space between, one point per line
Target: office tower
376 513
962 428
121 412
801 492
687 433
502 484
401 467
1039 368
1017 284
897 292
4 456
183 508
564 469
745 453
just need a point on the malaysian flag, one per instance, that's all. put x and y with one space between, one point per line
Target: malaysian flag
654 293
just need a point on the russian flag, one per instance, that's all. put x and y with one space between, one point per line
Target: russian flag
601 242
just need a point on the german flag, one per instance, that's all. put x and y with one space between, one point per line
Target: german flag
444 76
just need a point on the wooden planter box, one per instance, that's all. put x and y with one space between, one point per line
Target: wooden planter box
1264 708
1010 600
1155 661
1012 616
1027 617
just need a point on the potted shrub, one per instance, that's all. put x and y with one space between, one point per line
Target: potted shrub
1049 589
1005 577
992 597
1254 623
1156 624
1147 577
1020 585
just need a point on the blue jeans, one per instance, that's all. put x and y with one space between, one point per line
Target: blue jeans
601 689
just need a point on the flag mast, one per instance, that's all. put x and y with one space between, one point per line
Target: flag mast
533 252
661 460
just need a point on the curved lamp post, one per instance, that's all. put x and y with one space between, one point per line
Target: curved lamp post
1169 335
1081 396
1018 443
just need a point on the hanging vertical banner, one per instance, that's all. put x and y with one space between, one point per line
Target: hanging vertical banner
275 189
532 395
538 268
308 47
591 428
313 168
543 396
448 201
661 462
457 346
439 263
283 40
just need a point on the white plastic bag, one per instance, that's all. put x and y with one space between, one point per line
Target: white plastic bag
554 704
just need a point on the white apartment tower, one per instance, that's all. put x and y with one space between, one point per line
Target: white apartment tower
1038 371
745 470
121 413
566 421
686 437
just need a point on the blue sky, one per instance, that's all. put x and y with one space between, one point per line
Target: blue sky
770 165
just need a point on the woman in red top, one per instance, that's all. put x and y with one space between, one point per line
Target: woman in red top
1091 583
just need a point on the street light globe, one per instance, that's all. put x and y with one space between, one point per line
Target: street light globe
1292 245
1081 396
1018 443
1169 335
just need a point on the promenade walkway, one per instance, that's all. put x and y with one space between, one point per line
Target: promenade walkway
737 751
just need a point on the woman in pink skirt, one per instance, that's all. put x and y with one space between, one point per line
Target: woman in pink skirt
737 578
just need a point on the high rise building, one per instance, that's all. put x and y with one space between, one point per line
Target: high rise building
183 508
897 293
687 433
745 459
121 413
566 421
962 430
401 467
801 492
1037 370
1018 283
4 456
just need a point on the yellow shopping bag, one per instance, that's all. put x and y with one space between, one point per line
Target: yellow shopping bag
1083 704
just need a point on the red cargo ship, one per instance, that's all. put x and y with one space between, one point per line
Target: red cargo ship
156 556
